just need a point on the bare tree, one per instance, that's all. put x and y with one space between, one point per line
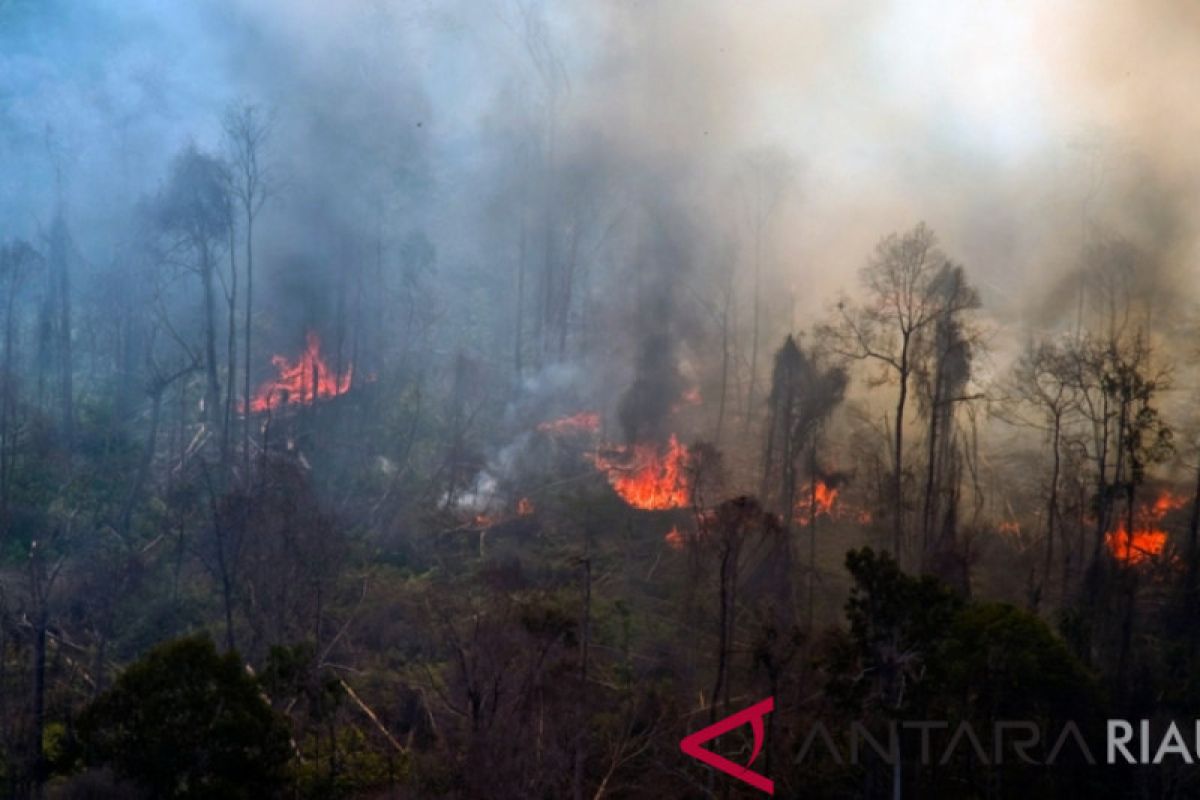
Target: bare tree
803 395
194 209
1040 384
767 177
943 375
247 130
905 298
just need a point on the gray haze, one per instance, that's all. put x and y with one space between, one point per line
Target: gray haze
1018 131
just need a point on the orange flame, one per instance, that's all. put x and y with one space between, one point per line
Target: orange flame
1148 539
583 422
525 507
827 502
302 381
646 476
819 497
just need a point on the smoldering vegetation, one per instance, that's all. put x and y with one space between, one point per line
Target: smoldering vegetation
472 399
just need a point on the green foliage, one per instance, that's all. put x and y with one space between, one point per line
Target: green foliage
896 624
186 722
1005 663
346 766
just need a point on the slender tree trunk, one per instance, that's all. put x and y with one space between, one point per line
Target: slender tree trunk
1192 578
212 399
246 325
1052 504
723 634
519 325
898 456
927 509
6 406
812 531
581 742
227 433
144 465
751 393
39 701
721 402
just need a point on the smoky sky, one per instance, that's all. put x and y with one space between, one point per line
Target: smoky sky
1015 129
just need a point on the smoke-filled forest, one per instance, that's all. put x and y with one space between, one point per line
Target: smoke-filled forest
412 399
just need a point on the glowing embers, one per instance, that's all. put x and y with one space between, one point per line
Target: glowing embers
301 382
674 538
1147 540
647 475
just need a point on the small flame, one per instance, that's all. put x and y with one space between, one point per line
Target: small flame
583 422
825 499
302 381
525 507
647 476
1148 539
674 538
819 497
1009 528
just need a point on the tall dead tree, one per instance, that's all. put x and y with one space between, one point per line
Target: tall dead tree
943 376
1040 383
247 130
904 300
803 395
194 211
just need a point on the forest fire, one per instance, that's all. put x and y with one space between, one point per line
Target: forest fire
583 422
303 381
1148 539
648 476
819 497
525 507
824 498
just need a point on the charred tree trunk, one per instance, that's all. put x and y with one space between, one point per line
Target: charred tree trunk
726 578
212 394
230 356
1052 503
898 454
1192 577
246 335
751 393
39 702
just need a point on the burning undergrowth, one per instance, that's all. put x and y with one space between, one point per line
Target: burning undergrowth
302 381
646 475
1147 538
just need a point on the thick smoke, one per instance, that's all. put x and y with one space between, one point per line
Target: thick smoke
1019 131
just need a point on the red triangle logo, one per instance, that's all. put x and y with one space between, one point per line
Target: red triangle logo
753 715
